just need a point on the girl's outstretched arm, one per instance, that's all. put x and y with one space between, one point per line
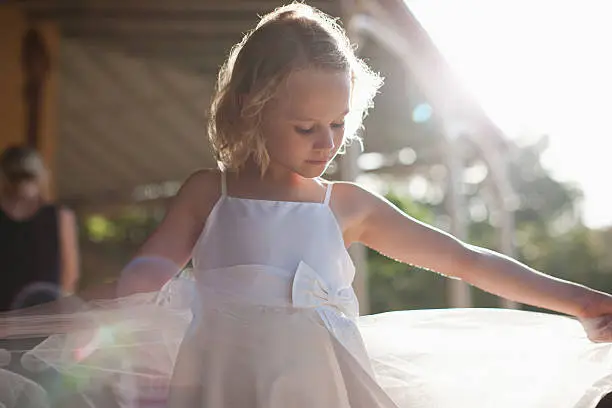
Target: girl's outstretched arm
383 227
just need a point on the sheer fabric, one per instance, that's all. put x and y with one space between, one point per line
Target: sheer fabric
268 319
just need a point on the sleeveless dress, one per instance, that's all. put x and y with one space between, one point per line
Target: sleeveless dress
29 275
269 319
276 325
29 259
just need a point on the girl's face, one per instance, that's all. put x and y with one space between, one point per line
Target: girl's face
303 126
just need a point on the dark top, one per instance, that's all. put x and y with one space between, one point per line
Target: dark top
29 259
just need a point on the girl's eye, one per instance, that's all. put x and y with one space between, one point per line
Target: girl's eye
304 131
307 131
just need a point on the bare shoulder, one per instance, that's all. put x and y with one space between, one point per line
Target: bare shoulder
203 180
200 191
176 235
352 204
354 195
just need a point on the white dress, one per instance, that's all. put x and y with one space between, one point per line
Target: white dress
270 320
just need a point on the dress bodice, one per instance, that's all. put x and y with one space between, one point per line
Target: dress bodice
273 251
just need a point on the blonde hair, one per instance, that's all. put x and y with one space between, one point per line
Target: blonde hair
291 38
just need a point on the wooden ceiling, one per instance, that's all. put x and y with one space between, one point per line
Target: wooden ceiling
136 79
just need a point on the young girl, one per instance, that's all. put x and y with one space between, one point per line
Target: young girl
274 320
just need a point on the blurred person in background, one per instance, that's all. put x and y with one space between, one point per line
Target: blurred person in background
38 239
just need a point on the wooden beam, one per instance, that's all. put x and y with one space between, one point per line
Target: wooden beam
114 197
167 44
252 6
195 63
96 26
397 28
116 73
106 146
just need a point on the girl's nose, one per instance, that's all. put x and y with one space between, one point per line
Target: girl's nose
325 140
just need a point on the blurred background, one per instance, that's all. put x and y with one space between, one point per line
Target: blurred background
490 125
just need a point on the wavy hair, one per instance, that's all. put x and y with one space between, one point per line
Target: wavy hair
291 38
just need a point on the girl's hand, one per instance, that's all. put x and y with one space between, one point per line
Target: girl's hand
598 329
597 317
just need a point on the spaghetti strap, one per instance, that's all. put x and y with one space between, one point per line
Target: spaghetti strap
328 194
223 184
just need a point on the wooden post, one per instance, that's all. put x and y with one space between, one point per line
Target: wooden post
504 200
349 171
36 66
29 56
459 293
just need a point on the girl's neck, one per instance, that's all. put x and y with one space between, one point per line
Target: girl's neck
274 175
277 183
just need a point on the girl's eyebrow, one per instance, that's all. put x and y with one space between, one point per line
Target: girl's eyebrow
306 119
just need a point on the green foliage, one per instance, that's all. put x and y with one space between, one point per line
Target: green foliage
548 235
395 286
131 223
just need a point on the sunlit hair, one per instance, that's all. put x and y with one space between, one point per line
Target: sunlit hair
291 38
20 164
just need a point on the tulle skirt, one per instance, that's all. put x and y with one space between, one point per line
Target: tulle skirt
152 350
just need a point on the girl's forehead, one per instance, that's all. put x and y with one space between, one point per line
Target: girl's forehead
315 93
